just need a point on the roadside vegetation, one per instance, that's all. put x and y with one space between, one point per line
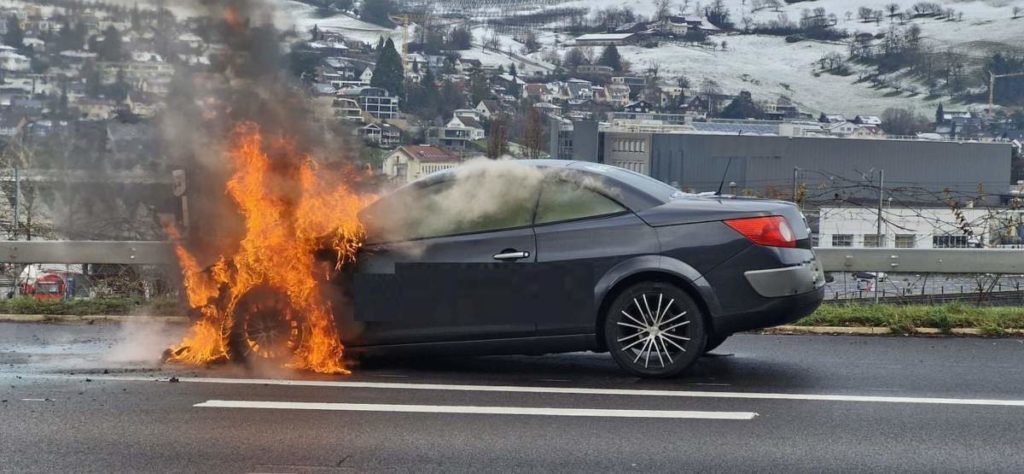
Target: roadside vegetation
97 306
991 320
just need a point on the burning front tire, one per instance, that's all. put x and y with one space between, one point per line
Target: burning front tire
266 326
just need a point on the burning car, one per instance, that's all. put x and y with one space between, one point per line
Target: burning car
556 256
535 257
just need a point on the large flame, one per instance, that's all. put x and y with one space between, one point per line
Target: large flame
292 208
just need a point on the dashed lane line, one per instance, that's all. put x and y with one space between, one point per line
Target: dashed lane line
480 410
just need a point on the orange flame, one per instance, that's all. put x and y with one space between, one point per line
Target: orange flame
291 210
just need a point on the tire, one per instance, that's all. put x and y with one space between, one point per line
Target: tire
714 341
646 347
265 327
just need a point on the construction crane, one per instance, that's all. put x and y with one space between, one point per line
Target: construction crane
992 86
405 20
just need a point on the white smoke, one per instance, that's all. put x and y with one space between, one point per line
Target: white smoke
142 342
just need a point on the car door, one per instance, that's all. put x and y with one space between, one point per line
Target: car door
451 270
582 232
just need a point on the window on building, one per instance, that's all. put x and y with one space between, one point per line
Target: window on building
949 241
842 240
874 240
565 201
906 241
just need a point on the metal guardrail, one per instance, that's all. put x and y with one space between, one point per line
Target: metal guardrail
101 252
996 261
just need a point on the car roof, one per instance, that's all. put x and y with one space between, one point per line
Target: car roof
628 194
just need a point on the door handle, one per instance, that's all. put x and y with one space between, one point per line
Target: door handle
511 255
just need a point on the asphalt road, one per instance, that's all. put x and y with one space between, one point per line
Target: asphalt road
91 398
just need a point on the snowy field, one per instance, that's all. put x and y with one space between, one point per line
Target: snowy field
303 17
766 65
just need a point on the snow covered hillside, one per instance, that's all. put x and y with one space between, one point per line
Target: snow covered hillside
767 66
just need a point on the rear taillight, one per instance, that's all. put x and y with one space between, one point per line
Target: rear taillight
770 231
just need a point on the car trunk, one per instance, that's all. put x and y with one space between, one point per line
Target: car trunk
694 209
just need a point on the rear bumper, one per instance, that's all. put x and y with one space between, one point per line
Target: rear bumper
771 312
787 281
763 287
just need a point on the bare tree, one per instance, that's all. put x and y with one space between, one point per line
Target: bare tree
533 137
903 122
662 9
865 14
893 9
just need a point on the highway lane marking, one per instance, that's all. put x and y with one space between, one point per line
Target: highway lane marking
568 390
480 410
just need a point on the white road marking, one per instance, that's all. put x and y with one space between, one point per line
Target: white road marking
568 390
480 410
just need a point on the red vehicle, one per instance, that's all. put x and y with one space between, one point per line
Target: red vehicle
48 286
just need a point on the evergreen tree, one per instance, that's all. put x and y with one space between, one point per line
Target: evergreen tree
112 47
15 36
136 18
62 105
743 107
388 74
380 44
451 99
940 115
512 71
479 89
428 80
377 12
610 57
315 33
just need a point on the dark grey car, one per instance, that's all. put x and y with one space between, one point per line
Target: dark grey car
555 256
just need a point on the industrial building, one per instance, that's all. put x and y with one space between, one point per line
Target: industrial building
773 160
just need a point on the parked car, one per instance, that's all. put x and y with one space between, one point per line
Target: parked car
546 256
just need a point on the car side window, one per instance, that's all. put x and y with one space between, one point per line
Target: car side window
447 208
562 200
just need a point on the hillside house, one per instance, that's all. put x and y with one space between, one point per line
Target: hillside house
606 39
347 110
488 108
411 162
867 120
618 94
383 135
538 92
595 69
639 107
378 103
474 130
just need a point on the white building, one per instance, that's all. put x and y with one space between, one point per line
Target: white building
411 162
920 228
14 62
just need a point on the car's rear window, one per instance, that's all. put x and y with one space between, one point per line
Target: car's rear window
646 184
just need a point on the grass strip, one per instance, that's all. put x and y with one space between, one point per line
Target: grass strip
903 319
96 306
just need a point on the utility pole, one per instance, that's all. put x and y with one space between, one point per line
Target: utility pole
881 192
17 201
796 174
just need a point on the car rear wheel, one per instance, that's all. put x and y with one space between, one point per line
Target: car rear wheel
654 329
266 326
